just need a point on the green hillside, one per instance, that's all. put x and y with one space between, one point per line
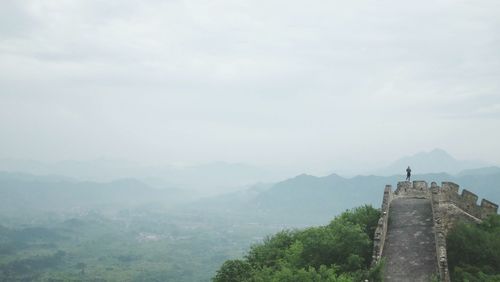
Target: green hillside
339 251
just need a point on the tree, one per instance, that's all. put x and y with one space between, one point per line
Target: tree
474 250
233 271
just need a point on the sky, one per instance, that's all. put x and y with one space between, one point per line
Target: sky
314 85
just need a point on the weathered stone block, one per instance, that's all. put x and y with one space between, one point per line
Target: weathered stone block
420 185
450 186
449 191
488 208
469 198
404 186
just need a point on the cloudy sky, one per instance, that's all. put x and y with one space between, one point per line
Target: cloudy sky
317 85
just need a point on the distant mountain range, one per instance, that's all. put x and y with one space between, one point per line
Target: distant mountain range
216 177
315 200
303 199
435 161
25 193
210 178
490 170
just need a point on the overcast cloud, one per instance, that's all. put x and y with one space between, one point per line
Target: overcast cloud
316 85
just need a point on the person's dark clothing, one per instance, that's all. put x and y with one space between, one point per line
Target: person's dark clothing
408 174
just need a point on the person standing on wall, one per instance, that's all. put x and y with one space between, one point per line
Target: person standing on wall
408 173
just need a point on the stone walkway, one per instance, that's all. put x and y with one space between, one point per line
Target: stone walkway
410 250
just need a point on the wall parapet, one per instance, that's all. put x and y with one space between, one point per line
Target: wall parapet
381 230
416 189
439 234
467 201
448 207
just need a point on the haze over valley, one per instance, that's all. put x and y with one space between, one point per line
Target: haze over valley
217 140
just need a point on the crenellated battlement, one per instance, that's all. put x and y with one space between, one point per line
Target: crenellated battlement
466 201
448 192
416 188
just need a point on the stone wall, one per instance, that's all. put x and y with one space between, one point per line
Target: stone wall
488 208
448 207
466 201
381 230
439 233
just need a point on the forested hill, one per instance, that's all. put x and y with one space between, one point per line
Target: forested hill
338 252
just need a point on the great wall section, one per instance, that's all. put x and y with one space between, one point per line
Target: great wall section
412 229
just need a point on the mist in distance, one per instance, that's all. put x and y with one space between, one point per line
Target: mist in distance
331 86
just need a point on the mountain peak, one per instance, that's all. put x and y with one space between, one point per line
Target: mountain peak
439 151
304 176
435 153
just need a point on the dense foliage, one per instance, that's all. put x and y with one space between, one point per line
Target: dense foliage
474 251
339 251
